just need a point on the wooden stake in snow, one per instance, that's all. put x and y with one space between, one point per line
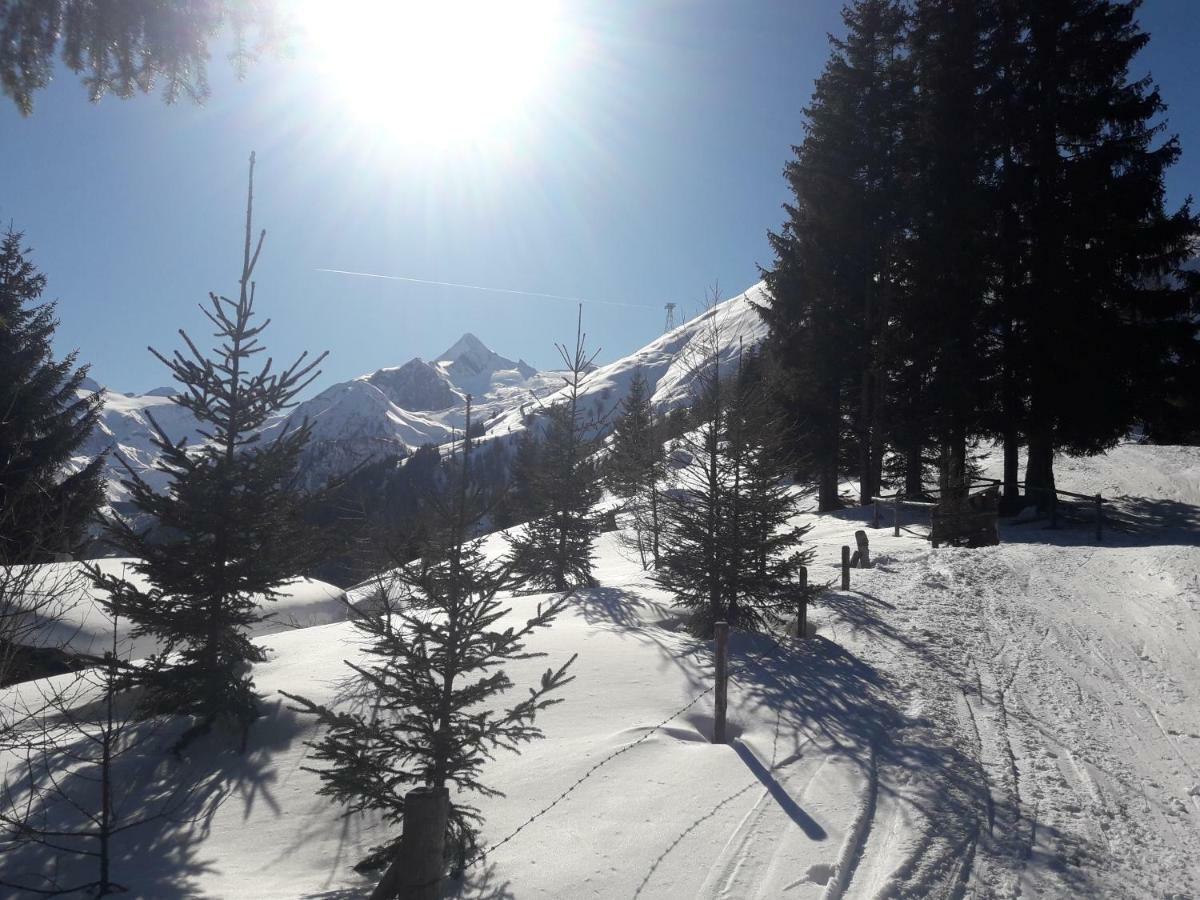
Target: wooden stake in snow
845 568
875 514
864 550
1099 518
416 873
721 700
896 515
802 611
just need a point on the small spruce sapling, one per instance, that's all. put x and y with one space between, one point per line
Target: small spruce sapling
554 552
636 464
231 514
435 642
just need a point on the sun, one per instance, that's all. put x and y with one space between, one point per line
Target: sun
438 72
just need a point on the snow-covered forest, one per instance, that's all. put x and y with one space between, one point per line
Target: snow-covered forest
879 578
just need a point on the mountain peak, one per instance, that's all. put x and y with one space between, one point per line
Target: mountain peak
467 345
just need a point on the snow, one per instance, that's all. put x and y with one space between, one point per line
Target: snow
666 363
82 626
1010 721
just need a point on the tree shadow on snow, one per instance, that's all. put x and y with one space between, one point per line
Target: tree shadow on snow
825 694
1128 522
163 857
627 613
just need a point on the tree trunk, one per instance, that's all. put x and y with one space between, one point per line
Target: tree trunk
1011 501
876 434
1039 470
866 437
829 450
914 472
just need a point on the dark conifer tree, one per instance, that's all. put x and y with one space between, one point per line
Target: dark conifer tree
44 421
728 551
946 253
1103 314
435 640
636 464
633 448
232 514
835 278
523 501
554 552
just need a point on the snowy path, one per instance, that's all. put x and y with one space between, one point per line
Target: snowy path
1061 680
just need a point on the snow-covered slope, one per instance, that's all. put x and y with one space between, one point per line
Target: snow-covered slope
81 626
1020 720
668 363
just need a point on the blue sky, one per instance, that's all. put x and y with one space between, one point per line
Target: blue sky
647 169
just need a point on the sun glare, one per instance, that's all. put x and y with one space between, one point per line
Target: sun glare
438 72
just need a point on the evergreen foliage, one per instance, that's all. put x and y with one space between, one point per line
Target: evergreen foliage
125 47
948 242
835 276
979 246
523 500
728 550
635 451
232 516
635 466
1100 310
554 552
435 640
44 423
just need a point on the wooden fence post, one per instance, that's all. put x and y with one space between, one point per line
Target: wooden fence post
864 550
875 515
416 873
721 699
896 515
845 567
802 610
1054 509
1099 518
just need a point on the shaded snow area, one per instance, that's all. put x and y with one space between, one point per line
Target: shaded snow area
81 625
1014 721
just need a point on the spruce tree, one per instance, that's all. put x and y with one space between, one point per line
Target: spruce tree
523 502
728 549
554 552
636 464
633 449
1101 312
835 279
946 252
232 518
435 639
44 421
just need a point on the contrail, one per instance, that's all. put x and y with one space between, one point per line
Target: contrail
492 290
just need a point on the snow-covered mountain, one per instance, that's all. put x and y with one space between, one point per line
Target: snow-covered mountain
395 410
669 363
392 411
125 432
